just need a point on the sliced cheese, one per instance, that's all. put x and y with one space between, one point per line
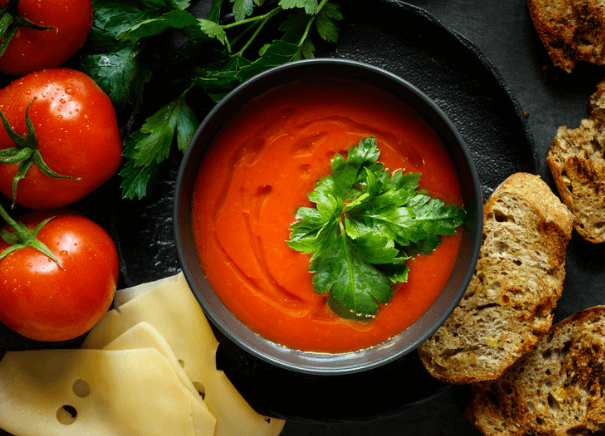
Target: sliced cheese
95 392
143 335
125 295
171 308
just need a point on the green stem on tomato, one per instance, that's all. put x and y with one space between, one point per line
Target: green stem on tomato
23 237
10 21
25 152
12 223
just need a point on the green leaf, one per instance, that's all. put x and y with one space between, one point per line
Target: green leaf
342 271
213 30
222 76
310 6
324 22
136 179
118 72
152 144
158 25
160 129
348 172
294 27
365 225
278 53
244 8
117 16
214 14
307 49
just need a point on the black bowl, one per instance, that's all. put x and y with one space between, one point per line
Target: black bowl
328 363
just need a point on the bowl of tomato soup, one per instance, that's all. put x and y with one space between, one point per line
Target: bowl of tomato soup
251 167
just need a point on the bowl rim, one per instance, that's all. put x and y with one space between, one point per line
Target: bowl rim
329 363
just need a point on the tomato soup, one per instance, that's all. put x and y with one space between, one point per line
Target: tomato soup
259 169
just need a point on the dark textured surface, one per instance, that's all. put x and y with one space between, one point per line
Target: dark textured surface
484 80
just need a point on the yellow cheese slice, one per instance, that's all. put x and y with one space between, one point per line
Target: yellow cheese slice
97 393
143 335
171 308
125 295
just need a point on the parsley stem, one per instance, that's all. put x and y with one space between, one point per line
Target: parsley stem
16 228
310 23
266 16
244 33
252 19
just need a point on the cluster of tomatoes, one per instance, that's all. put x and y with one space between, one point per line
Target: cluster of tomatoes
59 141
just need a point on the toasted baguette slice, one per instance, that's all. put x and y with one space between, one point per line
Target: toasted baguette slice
576 159
517 282
570 30
557 389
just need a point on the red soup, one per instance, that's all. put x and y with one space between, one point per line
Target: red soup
258 171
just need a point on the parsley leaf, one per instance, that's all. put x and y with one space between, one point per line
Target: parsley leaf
310 6
117 70
325 22
151 145
365 225
148 48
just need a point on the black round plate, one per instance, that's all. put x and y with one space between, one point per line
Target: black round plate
411 43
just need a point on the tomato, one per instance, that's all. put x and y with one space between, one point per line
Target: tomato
32 50
45 302
77 136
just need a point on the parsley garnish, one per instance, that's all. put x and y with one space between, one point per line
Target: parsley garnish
138 48
365 225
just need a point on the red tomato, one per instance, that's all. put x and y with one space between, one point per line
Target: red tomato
32 50
42 301
77 134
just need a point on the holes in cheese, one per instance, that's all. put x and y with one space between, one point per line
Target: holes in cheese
131 392
169 307
81 388
67 415
200 389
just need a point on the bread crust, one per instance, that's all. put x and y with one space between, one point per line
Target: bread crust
557 389
576 159
516 284
570 30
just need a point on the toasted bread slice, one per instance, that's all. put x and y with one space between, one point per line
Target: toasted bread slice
517 282
570 30
576 159
558 389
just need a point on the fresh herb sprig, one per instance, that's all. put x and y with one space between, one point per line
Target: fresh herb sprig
124 58
366 224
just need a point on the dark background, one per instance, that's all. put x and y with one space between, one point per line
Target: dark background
488 46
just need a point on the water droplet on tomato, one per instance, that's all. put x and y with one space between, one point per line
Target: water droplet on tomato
63 253
69 91
62 100
27 92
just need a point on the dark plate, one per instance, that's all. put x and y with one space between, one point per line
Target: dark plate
411 43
